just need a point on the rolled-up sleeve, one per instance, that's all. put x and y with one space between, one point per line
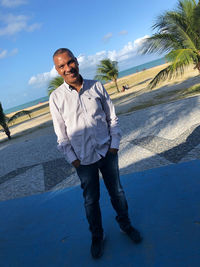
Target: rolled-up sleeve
60 129
111 118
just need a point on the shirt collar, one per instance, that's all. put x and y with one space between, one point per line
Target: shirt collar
70 88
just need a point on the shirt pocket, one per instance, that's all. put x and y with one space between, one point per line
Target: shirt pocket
92 105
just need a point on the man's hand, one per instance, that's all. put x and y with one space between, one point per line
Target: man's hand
113 150
76 163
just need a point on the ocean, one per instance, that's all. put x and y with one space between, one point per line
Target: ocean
141 67
123 73
27 105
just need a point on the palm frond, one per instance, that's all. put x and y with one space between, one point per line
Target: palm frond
102 78
19 114
107 70
178 35
55 83
175 29
169 72
159 43
186 56
196 21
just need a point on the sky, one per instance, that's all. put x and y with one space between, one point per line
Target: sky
31 31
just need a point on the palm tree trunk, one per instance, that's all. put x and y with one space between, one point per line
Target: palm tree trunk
115 81
6 130
198 66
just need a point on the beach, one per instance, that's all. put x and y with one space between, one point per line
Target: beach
138 96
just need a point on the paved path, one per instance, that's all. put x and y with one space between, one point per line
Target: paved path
50 229
154 137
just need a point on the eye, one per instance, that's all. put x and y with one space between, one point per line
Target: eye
71 61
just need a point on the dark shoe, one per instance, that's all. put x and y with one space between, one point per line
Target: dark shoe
97 247
133 234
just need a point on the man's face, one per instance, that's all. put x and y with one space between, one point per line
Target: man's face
67 66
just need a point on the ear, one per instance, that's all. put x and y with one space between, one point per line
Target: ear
56 67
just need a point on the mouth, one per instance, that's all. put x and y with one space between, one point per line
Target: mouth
72 73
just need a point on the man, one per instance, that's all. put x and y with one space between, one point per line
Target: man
88 134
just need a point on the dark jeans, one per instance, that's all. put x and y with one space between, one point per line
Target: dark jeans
89 176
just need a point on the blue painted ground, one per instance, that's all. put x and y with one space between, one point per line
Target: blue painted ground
51 230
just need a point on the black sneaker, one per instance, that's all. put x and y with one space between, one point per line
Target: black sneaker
133 234
97 247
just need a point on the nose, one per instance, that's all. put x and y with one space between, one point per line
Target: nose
67 68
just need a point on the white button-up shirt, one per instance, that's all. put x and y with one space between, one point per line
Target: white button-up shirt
85 123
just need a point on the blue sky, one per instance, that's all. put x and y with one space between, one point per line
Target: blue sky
31 30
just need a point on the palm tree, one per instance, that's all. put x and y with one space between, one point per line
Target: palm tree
19 114
178 35
55 83
108 70
3 122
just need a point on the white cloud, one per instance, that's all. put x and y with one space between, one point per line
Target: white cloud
14 52
42 79
88 64
16 23
107 37
33 27
124 32
124 57
12 3
4 53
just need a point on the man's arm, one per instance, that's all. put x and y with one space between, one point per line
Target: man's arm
112 120
60 129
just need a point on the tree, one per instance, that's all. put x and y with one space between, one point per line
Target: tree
55 83
108 70
3 122
178 35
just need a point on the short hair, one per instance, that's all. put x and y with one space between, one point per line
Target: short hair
61 51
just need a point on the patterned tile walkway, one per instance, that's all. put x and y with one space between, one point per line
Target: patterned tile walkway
154 137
